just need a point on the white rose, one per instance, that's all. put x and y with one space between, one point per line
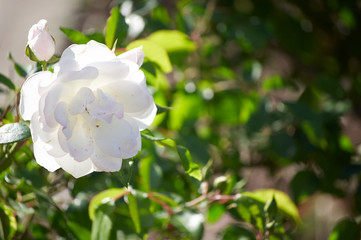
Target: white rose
88 114
40 41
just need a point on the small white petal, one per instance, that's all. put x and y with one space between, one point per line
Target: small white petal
30 97
135 55
77 169
105 162
134 97
118 139
80 145
82 98
145 119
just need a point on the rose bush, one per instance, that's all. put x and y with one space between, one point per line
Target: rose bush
40 41
87 115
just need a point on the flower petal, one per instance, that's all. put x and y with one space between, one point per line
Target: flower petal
80 145
145 119
30 97
105 162
120 138
82 98
77 169
135 55
135 98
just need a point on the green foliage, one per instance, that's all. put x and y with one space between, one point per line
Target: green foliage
346 229
7 82
14 132
241 87
116 28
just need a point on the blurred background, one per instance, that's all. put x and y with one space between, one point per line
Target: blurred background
270 92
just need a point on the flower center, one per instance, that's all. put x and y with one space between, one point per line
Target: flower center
96 107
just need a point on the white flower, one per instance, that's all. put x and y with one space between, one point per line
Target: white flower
88 114
40 41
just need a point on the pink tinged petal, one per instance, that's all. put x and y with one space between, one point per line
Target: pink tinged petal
75 168
30 97
66 121
82 98
105 107
80 145
135 55
36 29
43 46
48 140
104 162
118 139
61 113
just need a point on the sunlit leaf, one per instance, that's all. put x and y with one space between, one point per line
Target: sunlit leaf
75 36
154 52
116 28
104 196
190 167
179 41
14 132
215 212
81 232
134 214
284 203
8 224
102 223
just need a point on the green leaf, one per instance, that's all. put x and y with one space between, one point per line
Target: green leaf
30 54
304 184
116 29
110 194
102 223
8 225
154 52
345 229
75 36
179 41
284 203
161 109
271 208
125 172
134 214
190 167
237 233
215 212
14 132
189 222
7 82
81 232
21 70
273 82
152 138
